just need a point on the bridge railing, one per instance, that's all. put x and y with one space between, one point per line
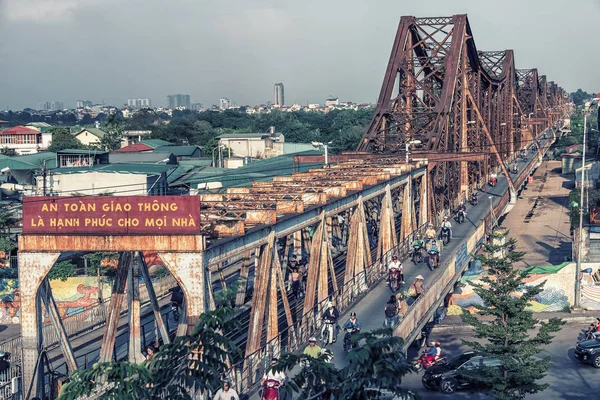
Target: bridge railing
247 374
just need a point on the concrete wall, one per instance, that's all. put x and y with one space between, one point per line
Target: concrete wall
93 183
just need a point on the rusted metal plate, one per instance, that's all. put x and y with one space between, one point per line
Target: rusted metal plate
229 228
111 243
256 217
93 215
289 207
210 197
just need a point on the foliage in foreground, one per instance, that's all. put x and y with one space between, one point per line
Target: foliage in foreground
198 360
509 336
374 369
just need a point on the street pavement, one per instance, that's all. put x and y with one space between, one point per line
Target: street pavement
568 379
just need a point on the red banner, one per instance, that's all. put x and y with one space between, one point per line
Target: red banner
107 215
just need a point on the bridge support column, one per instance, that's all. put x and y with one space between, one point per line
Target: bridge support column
153 300
33 268
407 212
424 202
133 299
387 226
192 275
358 256
240 298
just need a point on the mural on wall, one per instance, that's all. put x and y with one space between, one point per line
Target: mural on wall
557 295
74 296
590 287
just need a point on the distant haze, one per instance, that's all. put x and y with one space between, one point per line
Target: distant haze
113 50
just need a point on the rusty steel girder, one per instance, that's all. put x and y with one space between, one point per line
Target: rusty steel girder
440 90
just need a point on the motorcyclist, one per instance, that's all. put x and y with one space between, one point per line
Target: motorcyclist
430 234
227 393
474 199
418 243
353 325
394 266
274 375
330 317
493 178
446 224
462 207
515 168
312 350
434 251
434 352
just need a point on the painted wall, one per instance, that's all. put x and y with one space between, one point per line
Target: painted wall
558 293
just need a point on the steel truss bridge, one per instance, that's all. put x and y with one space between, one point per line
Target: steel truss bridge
472 112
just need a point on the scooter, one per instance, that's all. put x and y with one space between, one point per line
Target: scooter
434 259
270 390
445 234
493 182
348 339
460 216
327 332
417 255
394 279
422 362
474 199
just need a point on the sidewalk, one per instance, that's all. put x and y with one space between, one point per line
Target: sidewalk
453 323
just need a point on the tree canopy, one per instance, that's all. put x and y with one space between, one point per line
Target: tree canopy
62 139
509 336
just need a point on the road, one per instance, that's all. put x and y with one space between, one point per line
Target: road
568 379
369 310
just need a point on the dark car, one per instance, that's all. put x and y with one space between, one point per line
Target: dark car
588 351
458 372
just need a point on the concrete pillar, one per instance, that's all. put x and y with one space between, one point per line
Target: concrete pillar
424 203
133 298
33 268
190 272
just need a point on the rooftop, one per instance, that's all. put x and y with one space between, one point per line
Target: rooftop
144 169
19 130
154 143
179 151
81 151
247 135
134 148
147 157
99 133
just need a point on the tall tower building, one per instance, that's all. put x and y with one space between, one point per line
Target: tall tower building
279 100
178 100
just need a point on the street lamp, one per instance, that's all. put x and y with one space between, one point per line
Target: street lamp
577 303
408 144
325 147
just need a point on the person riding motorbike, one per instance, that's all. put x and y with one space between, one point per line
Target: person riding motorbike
272 374
330 318
226 393
395 268
493 179
515 168
446 225
434 352
312 349
417 245
461 209
434 254
351 327
474 198
430 234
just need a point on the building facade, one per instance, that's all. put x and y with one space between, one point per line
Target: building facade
25 140
279 95
178 100
51 106
225 103
139 103
84 103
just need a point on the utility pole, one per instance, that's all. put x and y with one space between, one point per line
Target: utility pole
577 302
44 172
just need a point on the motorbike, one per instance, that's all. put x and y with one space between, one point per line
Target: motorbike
474 199
460 216
270 390
394 279
493 182
327 332
445 234
434 259
417 255
514 169
348 339
175 311
422 362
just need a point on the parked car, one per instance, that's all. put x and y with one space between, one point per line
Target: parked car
458 372
588 351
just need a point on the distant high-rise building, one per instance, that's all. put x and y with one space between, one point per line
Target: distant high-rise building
197 107
279 100
139 103
225 103
83 103
51 106
179 100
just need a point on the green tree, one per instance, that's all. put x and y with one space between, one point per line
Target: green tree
62 139
197 361
509 336
374 368
579 97
102 260
62 270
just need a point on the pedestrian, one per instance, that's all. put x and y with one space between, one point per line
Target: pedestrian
391 312
402 305
418 286
226 393
150 351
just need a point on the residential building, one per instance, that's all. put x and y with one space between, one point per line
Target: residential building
139 103
197 107
84 103
74 158
225 103
332 101
90 136
39 126
25 140
133 137
134 148
51 106
179 100
115 179
255 145
182 151
279 99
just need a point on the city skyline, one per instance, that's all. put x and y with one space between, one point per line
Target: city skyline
224 51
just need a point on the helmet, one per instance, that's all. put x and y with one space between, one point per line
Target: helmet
437 344
430 225
445 218
394 257
353 314
227 382
418 235
329 304
312 339
274 359
431 343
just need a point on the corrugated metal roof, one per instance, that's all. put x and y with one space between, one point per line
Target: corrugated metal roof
149 157
247 135
19 130
81 151
134 148
144 169
154 143
179 151
178 172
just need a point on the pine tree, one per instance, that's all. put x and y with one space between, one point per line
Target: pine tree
512 335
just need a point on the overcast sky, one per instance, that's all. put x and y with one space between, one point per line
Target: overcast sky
113 50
